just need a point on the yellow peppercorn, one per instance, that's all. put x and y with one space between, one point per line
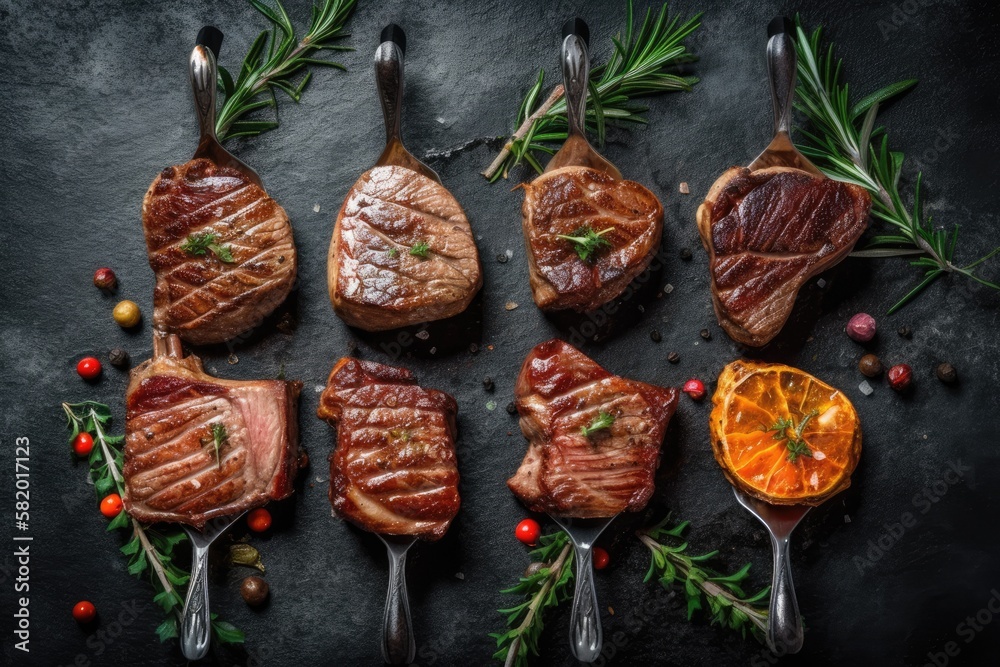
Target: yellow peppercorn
127 314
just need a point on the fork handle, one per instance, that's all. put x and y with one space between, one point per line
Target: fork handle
399 646
585 634
781 63
204 79
576 73
389 77
784 626
196 623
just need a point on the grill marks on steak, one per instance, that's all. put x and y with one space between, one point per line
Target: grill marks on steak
559 391
565 200
767 233
170 468
199 297
394 470
375 283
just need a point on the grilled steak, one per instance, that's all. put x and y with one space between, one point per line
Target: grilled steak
569 201
197 447
200 297
767 232
402 252
394 470
561 393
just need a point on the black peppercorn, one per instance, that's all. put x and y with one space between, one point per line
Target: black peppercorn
706 334
655 336
502 258
488 383
673 357
511 408
254 591
870 366
685 254
904 331
946 373
118 358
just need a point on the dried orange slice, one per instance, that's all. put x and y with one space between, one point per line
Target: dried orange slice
782 435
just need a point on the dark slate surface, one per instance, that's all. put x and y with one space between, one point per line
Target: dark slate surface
96 101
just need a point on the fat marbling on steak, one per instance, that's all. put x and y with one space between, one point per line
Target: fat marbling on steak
568 200
200 297
394 470
767 232
560 391
402 252
175 411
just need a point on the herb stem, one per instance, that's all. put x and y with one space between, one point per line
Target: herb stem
153 558
501 157
555 571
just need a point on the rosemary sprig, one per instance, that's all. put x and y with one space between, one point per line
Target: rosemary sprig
219 439
420 249
586 242
274 60
200 244
147 550
544 587
728 605
847 146
601 421
641 64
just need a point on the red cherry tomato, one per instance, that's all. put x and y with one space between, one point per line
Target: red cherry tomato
259 520
528 532
695 389
89 368
83 444
601 558
84 612
111 506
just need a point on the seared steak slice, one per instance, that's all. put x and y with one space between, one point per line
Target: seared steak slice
200 297
560 392
176 414
767 232
394 470
402 252
569 200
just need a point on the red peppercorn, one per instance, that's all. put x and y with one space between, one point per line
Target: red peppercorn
89 368
83 444
111 506
259 520
84 612
104 278
601 558
695 388
900 376
528 532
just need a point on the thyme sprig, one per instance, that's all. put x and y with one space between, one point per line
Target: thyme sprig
148 551
586 242
274 61
728 604
642 63
420 249
201 244
794 442
602 421
542 588
844 141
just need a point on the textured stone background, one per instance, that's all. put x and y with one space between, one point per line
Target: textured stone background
96 101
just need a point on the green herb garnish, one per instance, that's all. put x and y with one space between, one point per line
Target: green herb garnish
219 438
420 249
642 63
274 60
148 551
199 244
847 146
796 445
601 421
586 241
393 252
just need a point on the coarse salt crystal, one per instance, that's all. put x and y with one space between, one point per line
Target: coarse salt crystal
847 519
315 208
460 575
821 283
684 188
668 288
818 455
511 305
866 388
422 335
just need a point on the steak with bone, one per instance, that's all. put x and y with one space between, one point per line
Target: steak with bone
768 232
198 447
394 471
561 394
201 294
402 252
567 202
